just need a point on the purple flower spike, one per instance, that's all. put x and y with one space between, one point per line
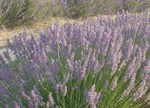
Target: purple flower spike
2 90
61 87
16 105
141 91
7 56
70 65
2 61
146 73
36 98
128 48
131 68
50 102
114 83
35 70
92 97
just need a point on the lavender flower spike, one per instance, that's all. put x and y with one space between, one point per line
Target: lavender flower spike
50 102
6 54
92 97
16 105
114 83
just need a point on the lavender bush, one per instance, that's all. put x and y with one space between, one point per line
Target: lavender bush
103 63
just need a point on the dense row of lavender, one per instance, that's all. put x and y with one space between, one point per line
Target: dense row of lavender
103 63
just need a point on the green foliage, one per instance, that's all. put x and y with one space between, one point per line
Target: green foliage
85 8
136 5
77 9
16 13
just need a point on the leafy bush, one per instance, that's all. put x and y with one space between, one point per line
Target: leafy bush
102 63
135 5
16 12
84 8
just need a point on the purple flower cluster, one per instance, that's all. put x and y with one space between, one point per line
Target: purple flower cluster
111 53
92 97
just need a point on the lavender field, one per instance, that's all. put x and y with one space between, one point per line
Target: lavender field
103 62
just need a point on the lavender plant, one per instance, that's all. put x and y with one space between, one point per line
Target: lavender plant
103 63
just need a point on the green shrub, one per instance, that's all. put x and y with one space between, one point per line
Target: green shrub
77 9
84 8
16 13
